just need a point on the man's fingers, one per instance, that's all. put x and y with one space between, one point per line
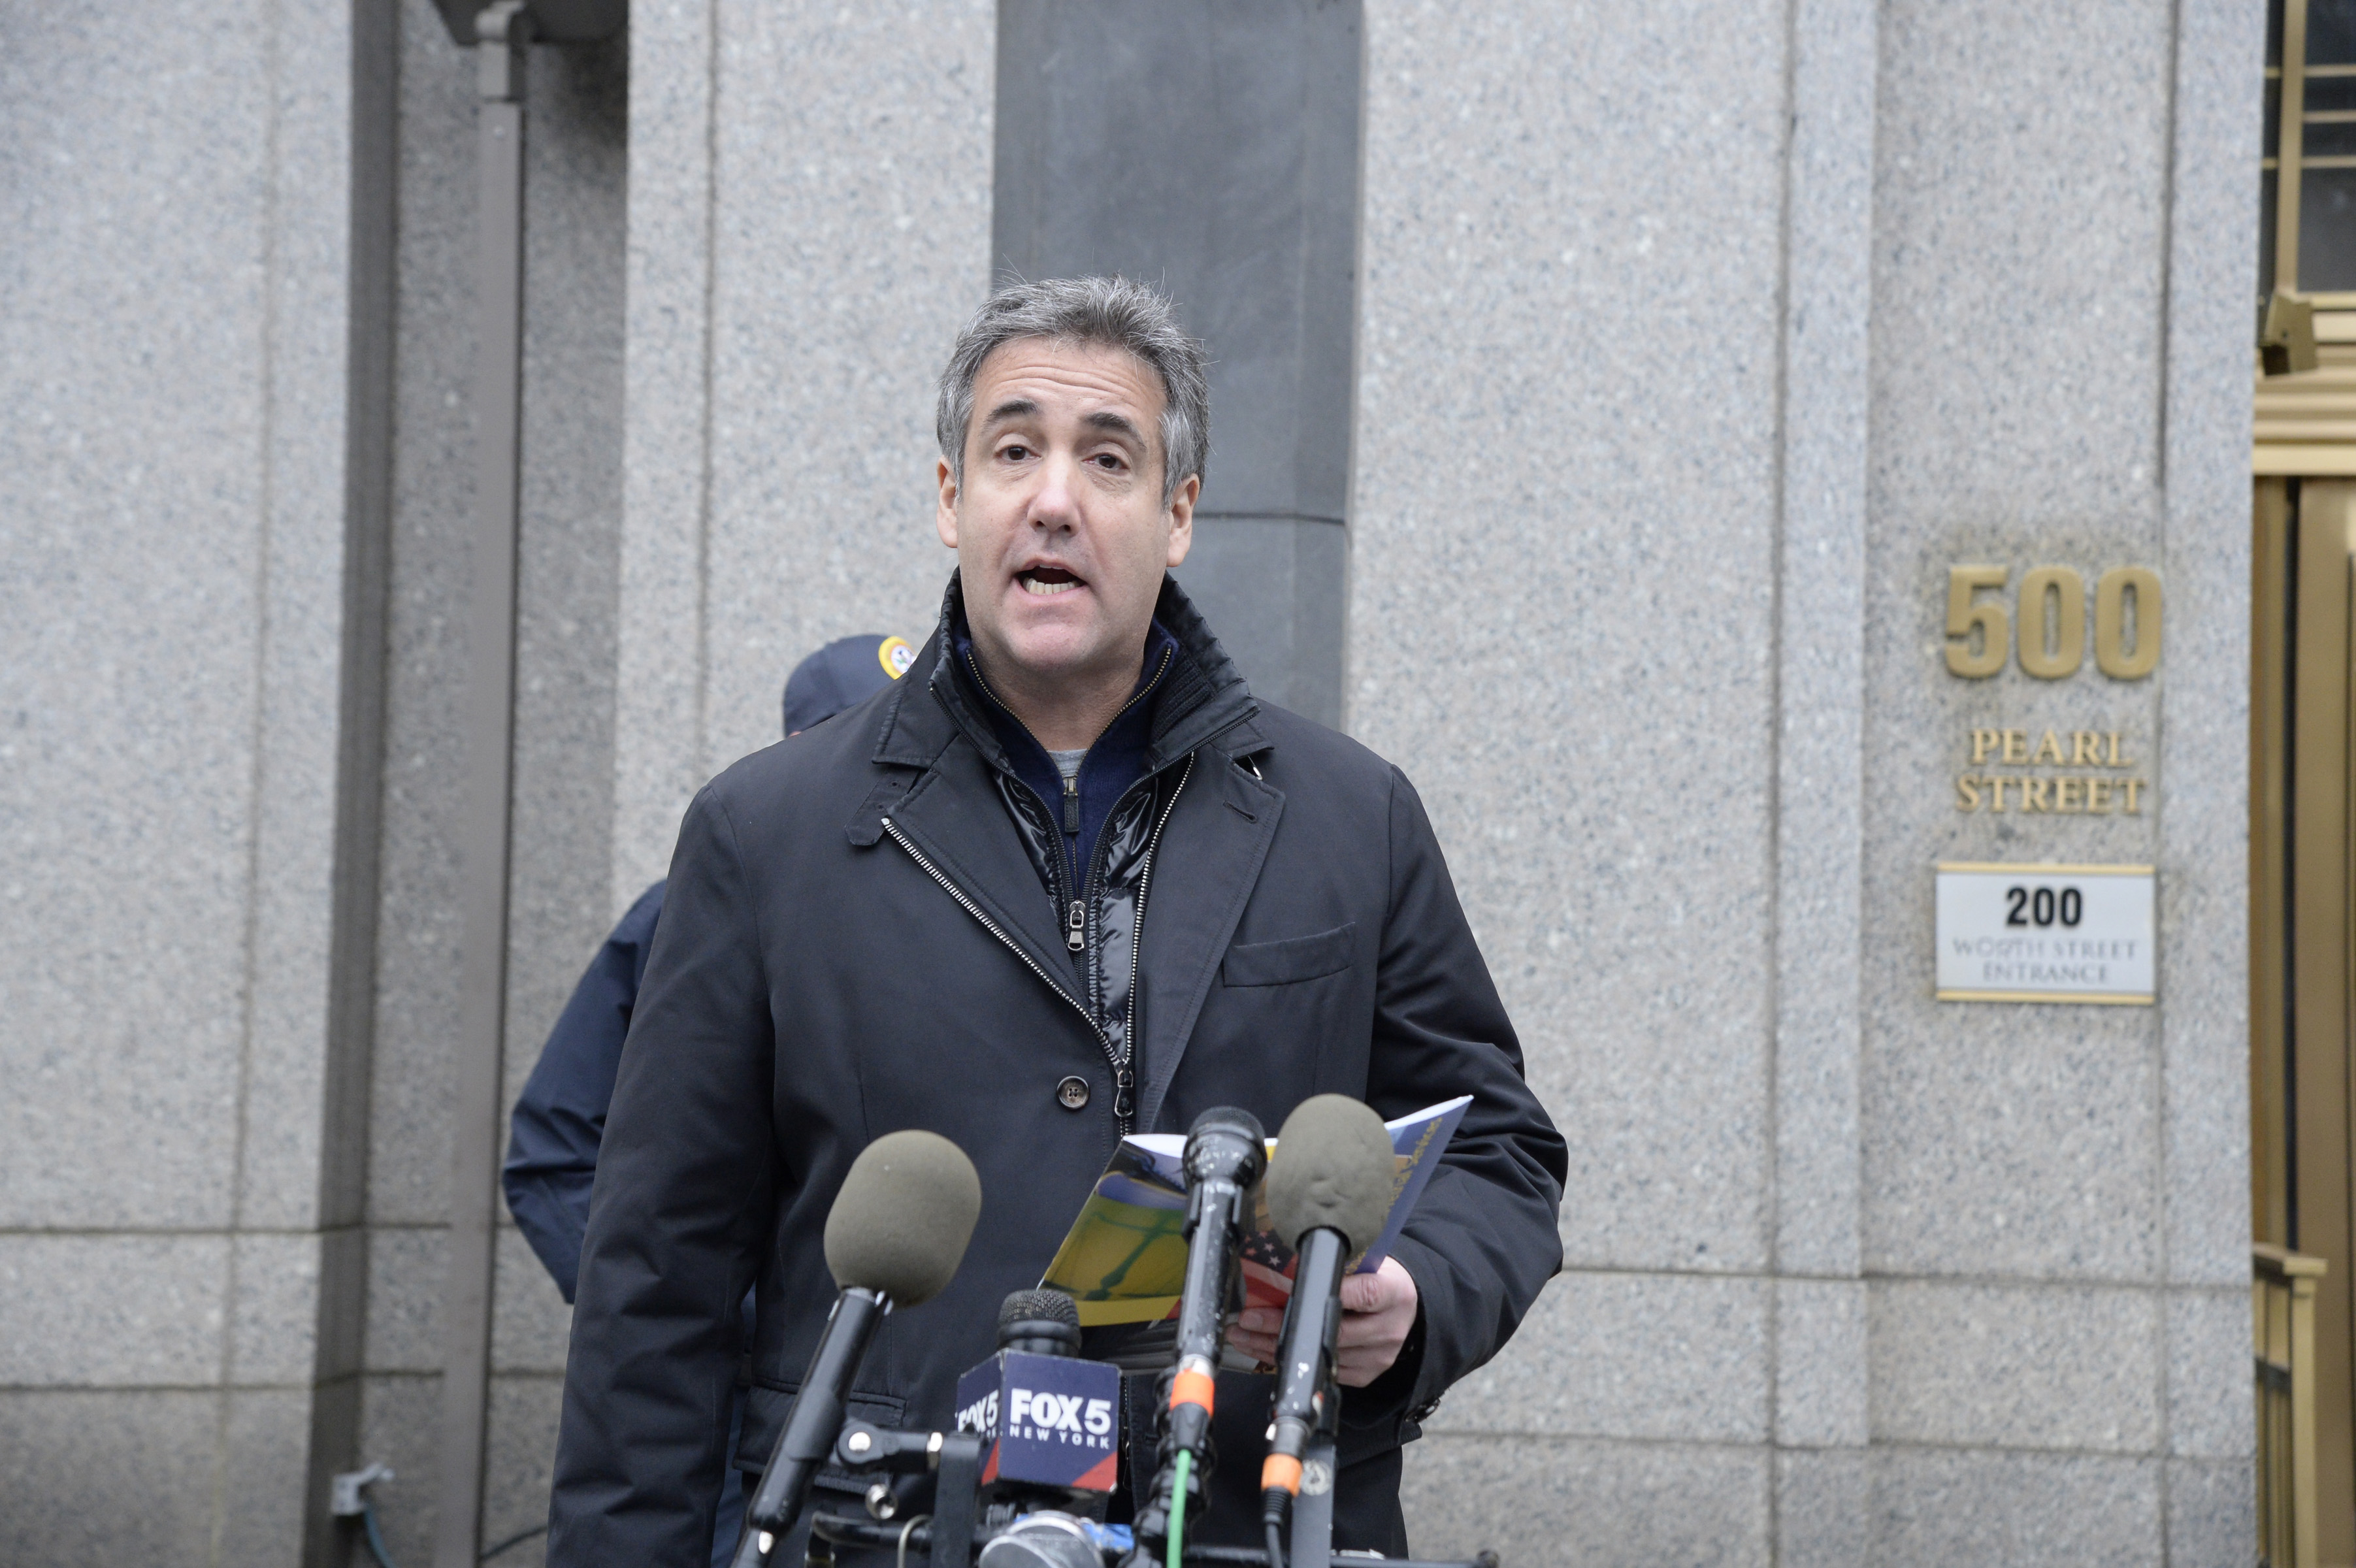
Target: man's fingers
1384 1348
1389 1326
1259 1347
1377 1313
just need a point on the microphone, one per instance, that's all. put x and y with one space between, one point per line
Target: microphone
1329 1192
1039 1322
894 1238
1226 1154
1049 1420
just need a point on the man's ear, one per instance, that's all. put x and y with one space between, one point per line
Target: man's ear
1182 521
945 513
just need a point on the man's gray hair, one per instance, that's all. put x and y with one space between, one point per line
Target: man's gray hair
1113 312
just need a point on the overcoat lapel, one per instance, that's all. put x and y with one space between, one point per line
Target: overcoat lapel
936 787
1205 870
954 815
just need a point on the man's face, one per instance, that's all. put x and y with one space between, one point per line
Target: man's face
1061 534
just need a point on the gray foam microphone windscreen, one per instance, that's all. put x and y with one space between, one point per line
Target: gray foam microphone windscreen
1333 1169
902 1221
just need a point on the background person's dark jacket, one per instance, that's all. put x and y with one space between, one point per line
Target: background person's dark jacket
560 1118
813 986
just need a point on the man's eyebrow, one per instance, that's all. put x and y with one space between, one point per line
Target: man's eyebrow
1013 408
1119 423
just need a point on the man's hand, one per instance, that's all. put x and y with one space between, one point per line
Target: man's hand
1377 1315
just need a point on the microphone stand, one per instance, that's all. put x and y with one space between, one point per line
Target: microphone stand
807 1438
1307 1406
1226 1154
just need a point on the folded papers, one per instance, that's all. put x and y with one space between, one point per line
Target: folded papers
1124 1260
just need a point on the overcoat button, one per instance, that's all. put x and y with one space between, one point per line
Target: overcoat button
1072 1093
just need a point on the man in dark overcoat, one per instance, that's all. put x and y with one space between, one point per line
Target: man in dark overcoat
1067 880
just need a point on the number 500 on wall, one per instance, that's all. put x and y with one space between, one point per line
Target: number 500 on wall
2053 606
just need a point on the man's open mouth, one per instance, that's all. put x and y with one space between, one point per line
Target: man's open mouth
1042 581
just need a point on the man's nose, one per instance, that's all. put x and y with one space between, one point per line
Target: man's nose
1056 504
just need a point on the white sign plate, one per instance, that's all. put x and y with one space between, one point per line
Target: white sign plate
2046 933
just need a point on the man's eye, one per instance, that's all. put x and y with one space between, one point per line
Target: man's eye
1015 453
1108 459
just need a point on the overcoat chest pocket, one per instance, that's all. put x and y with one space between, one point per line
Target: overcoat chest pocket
1293 959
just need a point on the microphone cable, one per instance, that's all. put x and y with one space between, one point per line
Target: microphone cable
1272 1506
1186 1466
375 1536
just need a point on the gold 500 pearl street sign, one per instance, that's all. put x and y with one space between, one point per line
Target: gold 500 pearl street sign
2048 932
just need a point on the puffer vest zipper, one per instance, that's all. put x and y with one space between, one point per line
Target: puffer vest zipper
1103 916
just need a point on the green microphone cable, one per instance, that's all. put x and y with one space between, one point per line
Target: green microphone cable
1178 1511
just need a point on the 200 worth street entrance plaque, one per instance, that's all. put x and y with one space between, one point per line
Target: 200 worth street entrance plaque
2046 933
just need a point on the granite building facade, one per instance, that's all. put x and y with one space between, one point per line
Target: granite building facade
1611 393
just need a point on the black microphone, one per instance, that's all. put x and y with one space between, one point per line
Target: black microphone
1329 1192
1050 1423
1226 1152
1039 1322
894 1237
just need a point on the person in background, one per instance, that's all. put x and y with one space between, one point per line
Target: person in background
560 1120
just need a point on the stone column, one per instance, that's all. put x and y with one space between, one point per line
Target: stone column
2055 1206
191 615
1821 1400
1215 154
576 149
2204 1121
1564 627
1787 308
809 225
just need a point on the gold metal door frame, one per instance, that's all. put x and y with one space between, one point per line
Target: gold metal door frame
2303 936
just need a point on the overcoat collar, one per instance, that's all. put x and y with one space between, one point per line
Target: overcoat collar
1203 698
